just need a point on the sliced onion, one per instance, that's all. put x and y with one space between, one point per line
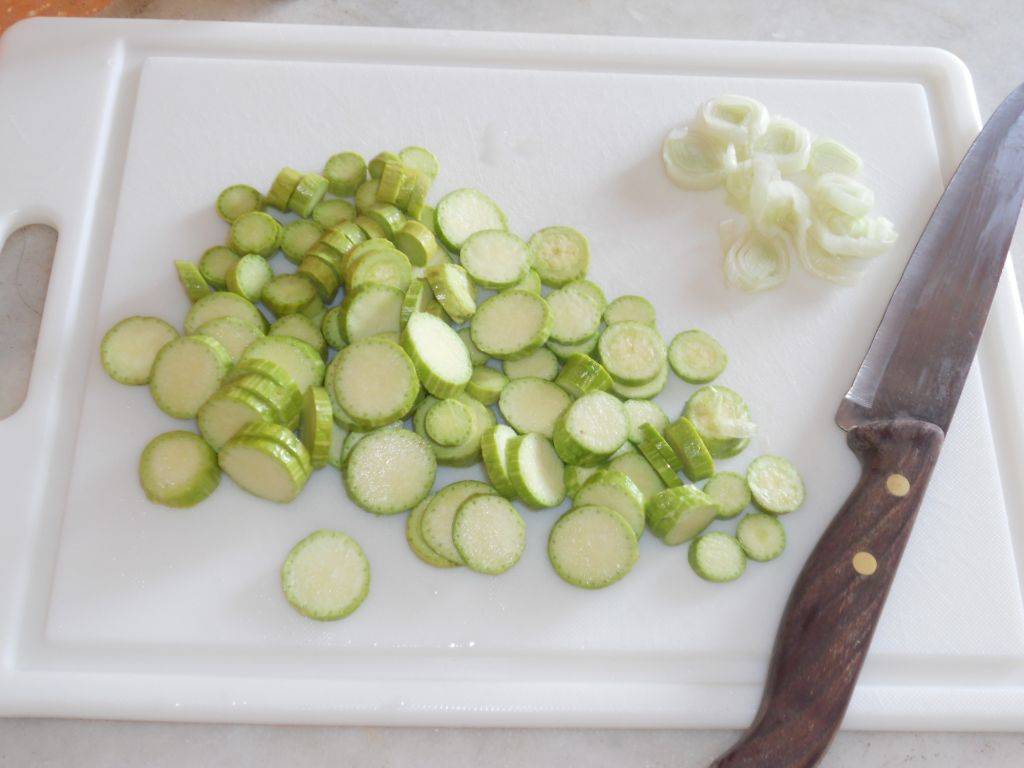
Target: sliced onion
842 270
845 236
782 212
754 262
785 142
734 120
829 156
843 193
693 160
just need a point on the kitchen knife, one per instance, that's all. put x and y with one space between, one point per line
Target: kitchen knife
896 415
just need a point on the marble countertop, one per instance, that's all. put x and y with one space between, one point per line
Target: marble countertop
981 32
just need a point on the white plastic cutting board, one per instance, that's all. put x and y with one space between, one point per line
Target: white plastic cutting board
121 134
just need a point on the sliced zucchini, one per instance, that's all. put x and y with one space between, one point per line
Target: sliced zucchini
730 492
614 490
300 361
475 355
722 419
494 446
307 194
539 364
281 436
640 471
302 328
438 353
130 347
463 213
466 453
371 309
696 460
633 353
559 255
237 200
536 471
678 514
366 194
382 266
511 324
495 258
775 485
644 412
227 411
178 469
281 190
249 276
591 429
643 391
344 172
338 435
390 471
582 374
696 357
420 159
326 576
589 289
298 237
192 280
761 536
233 334
630 309
186 372
416 241
660 455
374 382
317 425
489 534
717 557
454 289
574 316
448 422
576 476
289 294
222 304
530 282
418 545
376 165
565 351
486 384
439 517
255 232
263 468
319 270
331 213
592 547
214 265
533 405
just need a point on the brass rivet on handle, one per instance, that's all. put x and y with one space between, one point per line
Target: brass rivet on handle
864 563
897 485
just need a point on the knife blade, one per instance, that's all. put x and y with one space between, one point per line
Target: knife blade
896 415
922 351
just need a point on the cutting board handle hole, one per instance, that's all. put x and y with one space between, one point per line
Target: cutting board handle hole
25 263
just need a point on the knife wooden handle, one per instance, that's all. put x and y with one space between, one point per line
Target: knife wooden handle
835 604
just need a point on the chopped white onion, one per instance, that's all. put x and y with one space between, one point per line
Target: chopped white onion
843 193
734 120
863 238
755 263
829 156
842 270
819 218
693 160
785 142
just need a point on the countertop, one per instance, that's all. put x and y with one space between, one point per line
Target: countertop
981 32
